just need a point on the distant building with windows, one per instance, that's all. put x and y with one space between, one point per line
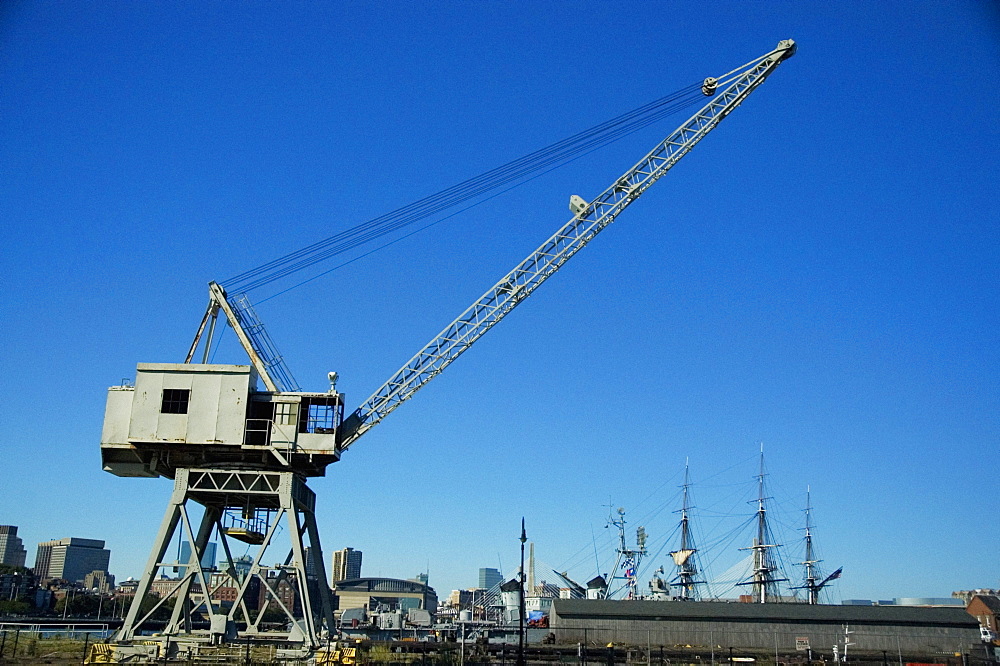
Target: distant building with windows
460 598
71 559
310 553
19 586
225 590
986 609
12 551
101 581
346 564
207 557
489 578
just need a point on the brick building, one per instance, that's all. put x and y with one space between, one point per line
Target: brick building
986 609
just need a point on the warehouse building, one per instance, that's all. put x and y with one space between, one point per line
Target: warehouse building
771 627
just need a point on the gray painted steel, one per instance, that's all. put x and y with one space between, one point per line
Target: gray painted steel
292 505
589 219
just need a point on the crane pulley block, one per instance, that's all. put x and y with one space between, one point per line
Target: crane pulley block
577 205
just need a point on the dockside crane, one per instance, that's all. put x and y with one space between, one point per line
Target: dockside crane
244 454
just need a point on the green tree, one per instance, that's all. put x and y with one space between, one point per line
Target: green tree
14 607
77 604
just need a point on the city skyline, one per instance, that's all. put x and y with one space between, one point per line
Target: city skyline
818 275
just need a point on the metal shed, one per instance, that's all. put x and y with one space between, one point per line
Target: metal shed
771 627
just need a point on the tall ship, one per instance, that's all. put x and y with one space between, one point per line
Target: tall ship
760 577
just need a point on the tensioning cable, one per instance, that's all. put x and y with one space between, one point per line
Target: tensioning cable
511 174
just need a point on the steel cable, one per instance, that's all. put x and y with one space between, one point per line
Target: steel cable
558 153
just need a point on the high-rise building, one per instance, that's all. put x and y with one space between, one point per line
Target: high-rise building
43 556
71 559
346 564
243 564
309 553
12 551
488 578
207 558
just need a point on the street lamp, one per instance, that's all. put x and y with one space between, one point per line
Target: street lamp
520 605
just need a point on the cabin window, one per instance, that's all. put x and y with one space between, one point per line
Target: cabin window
320 418
285 413
175 401
320 415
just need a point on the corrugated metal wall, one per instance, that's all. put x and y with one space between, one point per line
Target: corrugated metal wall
762 635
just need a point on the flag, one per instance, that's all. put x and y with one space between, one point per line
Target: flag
834 576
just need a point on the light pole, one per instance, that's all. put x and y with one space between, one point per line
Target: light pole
100 603
520 604
67 600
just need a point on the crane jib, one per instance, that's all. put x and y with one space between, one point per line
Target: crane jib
589 219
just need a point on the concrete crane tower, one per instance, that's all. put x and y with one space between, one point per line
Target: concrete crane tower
244 452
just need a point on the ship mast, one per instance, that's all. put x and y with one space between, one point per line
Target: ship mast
628 560
811 570
810 563
684 560
764 583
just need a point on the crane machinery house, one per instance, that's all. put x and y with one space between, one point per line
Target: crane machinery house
182 414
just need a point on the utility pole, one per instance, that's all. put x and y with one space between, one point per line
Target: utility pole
520 604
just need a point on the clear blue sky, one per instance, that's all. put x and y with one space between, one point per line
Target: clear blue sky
819 275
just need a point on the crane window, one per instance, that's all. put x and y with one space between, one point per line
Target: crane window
320 418
285 413
175 401
319 415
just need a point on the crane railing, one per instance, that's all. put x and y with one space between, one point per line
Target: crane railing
588 221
